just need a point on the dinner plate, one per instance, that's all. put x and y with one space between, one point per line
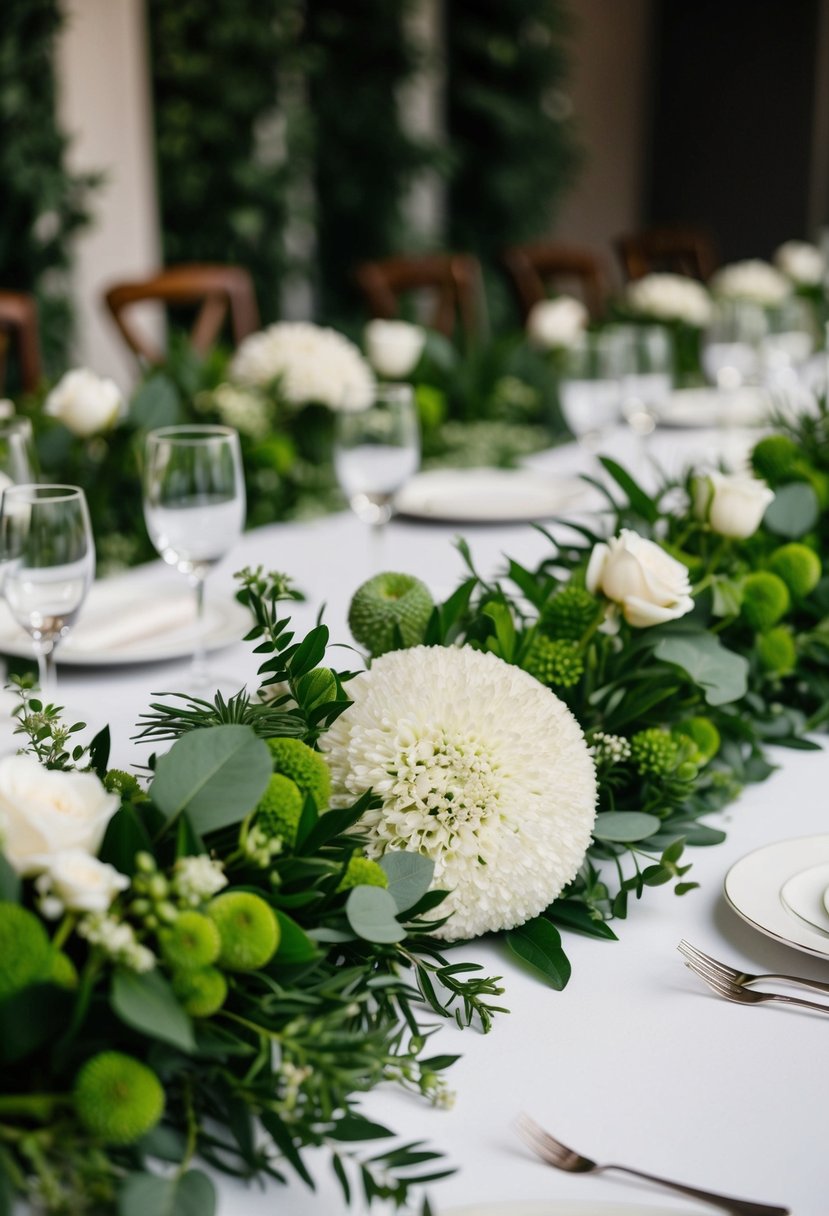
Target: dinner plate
127 621
754 886
560 1207
712 407
488 495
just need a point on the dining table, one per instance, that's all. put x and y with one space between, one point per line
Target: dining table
635 1061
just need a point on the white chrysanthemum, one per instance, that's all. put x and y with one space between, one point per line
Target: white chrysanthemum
752 280
480 768
670 297
556 324
802 262
311 363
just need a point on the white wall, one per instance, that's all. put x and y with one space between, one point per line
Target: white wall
104 105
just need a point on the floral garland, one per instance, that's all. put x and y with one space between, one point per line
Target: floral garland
248 939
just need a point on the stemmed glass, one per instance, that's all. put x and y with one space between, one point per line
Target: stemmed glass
194 508
376 451
590 386
18 464
48 556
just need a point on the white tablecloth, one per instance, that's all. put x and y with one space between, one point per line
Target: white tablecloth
635 1061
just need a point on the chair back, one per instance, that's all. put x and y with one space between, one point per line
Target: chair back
19 331
534 268
453 280
679 250
218 292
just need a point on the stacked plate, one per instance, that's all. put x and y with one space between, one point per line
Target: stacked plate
783 890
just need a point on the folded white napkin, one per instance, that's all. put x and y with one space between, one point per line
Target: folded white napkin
119 622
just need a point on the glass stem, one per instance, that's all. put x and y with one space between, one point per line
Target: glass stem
199 674
45 653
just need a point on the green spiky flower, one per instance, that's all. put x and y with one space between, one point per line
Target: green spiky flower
295 759
362 872
703 733
117 1098
569 613
385 604
777 651
119 782
279 809
248 929
798 566
202 993
765 599
191 942
554 661
25 953
654 752
773 457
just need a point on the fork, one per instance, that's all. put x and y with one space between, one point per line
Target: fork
748 996
703 964
562 1158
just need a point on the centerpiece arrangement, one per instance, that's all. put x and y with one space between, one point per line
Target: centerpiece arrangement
214 964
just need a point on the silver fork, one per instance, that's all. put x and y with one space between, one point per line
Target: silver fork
562 1158
748 996
703 964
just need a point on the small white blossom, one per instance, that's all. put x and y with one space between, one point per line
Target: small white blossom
197 879
609 749
310 363
478 767
394 347
670 297
242 409
117 941
85 403
79 883
752 280
260 848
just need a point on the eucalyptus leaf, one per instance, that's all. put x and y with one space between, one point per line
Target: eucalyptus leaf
216 774
145 1001
410 876
371 914
539 943
720 673
624 827
191 1194
794 511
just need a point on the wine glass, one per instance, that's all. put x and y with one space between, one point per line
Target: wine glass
48 557
788 343
18 463
730 345
648 376
376 451
194 508
590 388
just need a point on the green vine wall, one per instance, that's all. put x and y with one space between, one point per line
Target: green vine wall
42 204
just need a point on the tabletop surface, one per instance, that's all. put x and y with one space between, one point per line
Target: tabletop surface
636 1061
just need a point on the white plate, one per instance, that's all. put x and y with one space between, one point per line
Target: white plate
488 495
804 894
128 620
753 888
560 1207
712 407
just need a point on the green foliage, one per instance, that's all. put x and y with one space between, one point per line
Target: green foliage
42 205
231 133
509 122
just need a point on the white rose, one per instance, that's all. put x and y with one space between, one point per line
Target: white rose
649 585
85 403
394 347
732 503
670 297
80 882
557 323
802 262
753 280
46 811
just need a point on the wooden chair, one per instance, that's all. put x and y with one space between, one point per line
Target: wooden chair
218 290
454 279
19 329
679 250
533 268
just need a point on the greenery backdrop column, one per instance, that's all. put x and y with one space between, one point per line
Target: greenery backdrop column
42 204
